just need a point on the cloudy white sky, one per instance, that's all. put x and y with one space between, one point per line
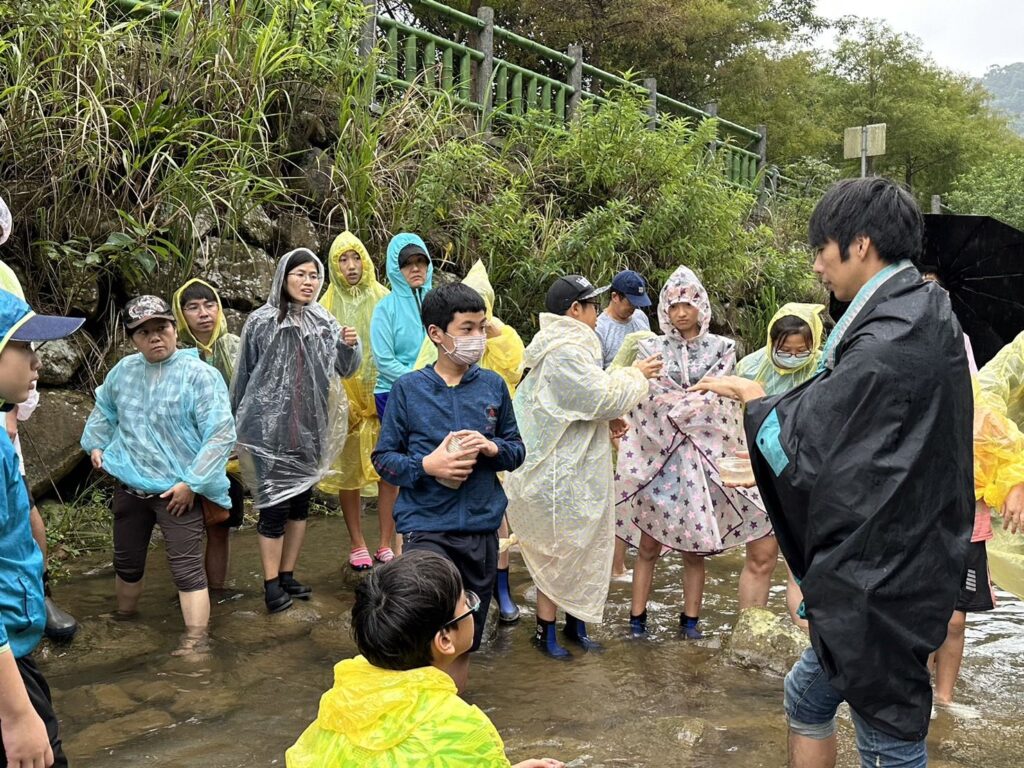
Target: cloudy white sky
965 35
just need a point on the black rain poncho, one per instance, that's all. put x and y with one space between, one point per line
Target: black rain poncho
290 411
866 473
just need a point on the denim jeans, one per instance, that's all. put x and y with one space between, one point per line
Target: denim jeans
811 704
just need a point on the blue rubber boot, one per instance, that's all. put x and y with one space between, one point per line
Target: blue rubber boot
547 641
508 611
576 632
638 625
688 626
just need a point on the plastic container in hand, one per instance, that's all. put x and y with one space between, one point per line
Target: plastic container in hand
454 446
736 471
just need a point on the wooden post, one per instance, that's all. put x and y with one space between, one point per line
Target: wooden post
575 78
485 69
651 84
936 203
368 38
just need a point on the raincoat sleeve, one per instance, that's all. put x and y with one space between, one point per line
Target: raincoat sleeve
504 355
998 441
583 391
349 358
627 353
205 475
248 357
383 346
102 423
511 451
391 458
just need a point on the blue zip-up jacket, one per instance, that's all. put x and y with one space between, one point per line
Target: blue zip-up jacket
422 410
396 330
22 607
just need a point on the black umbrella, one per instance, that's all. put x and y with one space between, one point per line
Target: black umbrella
980 261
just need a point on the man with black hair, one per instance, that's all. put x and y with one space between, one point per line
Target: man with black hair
447 432
866 472
396 703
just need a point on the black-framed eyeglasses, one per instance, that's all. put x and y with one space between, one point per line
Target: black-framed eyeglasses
472 606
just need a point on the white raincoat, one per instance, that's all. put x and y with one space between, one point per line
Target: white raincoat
560 502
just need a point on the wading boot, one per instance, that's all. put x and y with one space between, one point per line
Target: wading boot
508 611
547 641
60 625
276 598
294 588
638 625
576 632
688 626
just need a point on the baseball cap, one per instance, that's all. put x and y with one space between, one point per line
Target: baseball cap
143 308
568 289
19 323
408 253
631 285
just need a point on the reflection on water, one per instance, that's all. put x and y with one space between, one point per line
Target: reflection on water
659 702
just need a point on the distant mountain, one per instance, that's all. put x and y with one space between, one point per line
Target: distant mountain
1006 84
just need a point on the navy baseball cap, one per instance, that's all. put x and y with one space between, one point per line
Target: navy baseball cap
19 323
631 285
565 291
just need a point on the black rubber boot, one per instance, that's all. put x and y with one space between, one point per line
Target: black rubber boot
294 588
60 625
547 640
688 626
275 597
638 625
508 611
576 632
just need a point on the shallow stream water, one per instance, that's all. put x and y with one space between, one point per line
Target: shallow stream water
124 701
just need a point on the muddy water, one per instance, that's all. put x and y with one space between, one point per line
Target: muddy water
662 702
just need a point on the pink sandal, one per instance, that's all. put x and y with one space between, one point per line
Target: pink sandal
359 559
384 555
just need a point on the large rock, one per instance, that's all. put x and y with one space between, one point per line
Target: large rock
61 359
258 228
49 440
766 642
297 231
241 273
235 320
316 179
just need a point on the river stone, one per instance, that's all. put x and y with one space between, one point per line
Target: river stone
766 642
105 698
242 274
258 228
116 731
297 231
334 636
49 440
685 731
101 642
61 359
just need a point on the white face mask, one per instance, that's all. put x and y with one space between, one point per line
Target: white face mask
790 362
467 350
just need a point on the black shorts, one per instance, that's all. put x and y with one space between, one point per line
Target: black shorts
975 590
476 557
273 519
42 703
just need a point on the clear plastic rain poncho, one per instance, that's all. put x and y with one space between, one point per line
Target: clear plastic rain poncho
760 367
353 305
291 413
560 501
998 424
6 222
504 353
159 424
222 351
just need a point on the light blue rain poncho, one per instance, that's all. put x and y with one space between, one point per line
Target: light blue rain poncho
160 424
396 331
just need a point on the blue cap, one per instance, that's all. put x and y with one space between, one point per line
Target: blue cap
19 323
631 285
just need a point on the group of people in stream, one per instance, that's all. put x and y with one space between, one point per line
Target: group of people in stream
864 457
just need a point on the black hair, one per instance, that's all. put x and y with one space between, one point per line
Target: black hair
401 605
197 292
299 257
441 304
785 327
873 207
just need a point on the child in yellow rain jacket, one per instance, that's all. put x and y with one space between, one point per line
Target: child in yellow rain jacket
395 704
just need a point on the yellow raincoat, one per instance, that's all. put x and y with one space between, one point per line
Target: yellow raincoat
222 351
759 366
353 305
561 500
381 718
9 281
503 354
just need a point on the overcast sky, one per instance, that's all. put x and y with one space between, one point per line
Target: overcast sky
965 35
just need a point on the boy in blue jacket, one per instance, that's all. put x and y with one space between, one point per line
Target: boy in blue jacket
28 723
452 425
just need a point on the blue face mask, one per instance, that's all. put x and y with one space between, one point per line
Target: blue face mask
790 362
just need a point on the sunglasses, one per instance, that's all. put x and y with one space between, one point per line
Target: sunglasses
472 606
